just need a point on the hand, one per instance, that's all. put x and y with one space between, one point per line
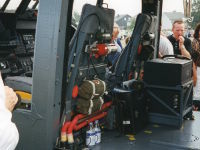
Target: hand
160 55
181 41
11 98
182 48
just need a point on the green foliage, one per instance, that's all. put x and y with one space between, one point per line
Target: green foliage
195 13
132 24
76 17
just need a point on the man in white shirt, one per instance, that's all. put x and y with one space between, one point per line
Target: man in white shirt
9 135
165 46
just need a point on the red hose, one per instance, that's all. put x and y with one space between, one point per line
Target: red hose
86 122
80 116
74 122
70 126
75 127
65 126
63 131
106 105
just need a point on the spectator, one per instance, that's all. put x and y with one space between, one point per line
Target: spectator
115 38
196 59
181 44
113 56
165 46
192 33
9 135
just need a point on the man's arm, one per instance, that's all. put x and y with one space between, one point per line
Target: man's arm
184 51
11 98
182 48
9 135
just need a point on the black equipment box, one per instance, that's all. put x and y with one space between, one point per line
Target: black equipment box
170 104
168 71
130 111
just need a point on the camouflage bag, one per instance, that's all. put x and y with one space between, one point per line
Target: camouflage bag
100 88
97 104
86 90
92 89
88 107
84 106
90 96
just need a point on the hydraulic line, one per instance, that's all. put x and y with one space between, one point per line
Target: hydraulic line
80 121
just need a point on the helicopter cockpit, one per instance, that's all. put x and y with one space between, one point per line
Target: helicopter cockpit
17 38
58 65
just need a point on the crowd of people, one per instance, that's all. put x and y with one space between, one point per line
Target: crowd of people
175 44
196 59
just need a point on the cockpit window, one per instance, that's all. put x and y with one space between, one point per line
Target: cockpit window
12 6
37 6
2 2
124 16
33 4
77 8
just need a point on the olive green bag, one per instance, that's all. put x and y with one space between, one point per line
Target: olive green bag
90 96
92 89
88 107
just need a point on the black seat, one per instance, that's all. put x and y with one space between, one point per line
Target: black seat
143 36
82 64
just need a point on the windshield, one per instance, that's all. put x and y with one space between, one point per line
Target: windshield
2 2
12 6
32 4
124 17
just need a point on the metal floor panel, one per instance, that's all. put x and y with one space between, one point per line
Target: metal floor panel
156 137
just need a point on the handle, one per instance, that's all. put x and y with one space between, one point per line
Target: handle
176 56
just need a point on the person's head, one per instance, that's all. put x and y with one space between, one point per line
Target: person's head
115 31
178 29
197 31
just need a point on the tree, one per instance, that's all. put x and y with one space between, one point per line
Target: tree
131 25
76 17
195 13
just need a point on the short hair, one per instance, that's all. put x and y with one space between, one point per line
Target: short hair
178 22
196 32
